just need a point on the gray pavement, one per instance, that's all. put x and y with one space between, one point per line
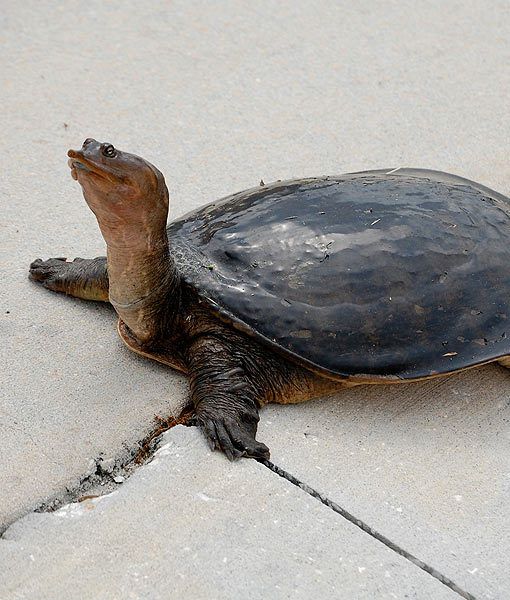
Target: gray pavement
427 464
204 529
220 95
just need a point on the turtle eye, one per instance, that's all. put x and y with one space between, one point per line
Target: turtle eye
108 150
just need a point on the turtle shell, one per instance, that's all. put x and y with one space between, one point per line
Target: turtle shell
401 273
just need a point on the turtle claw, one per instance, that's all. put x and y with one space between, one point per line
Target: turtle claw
48 272
232 438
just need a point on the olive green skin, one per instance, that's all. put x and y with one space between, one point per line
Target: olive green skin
380 274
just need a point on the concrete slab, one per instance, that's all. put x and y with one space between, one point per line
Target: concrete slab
72 394
426 464
191 525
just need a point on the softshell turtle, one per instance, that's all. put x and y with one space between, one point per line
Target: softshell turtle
295 289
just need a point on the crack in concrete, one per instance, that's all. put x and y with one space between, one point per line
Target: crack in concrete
369 530
99 480
102 482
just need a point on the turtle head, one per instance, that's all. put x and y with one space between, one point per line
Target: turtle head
127 194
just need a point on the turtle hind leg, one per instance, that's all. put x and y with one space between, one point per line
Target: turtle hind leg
82 278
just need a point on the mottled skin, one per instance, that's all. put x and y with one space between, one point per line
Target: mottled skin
234 370
231 375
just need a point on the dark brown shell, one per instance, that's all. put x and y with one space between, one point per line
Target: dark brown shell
400 273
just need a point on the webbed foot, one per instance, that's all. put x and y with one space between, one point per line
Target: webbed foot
234 434
50 273
85 278
225 397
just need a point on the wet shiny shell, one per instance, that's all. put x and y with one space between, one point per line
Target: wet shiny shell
402 273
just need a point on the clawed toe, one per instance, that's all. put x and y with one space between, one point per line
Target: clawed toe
233 439
38 270
46 271
42 266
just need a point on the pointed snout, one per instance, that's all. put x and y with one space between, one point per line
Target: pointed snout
88 144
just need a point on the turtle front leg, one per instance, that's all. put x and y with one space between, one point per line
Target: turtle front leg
225 397
82 278
232 376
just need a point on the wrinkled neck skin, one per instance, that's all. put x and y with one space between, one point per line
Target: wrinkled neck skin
144 286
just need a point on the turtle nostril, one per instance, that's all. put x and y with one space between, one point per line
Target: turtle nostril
88 141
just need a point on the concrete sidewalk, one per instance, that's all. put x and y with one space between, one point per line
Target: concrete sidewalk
204 529
220 95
